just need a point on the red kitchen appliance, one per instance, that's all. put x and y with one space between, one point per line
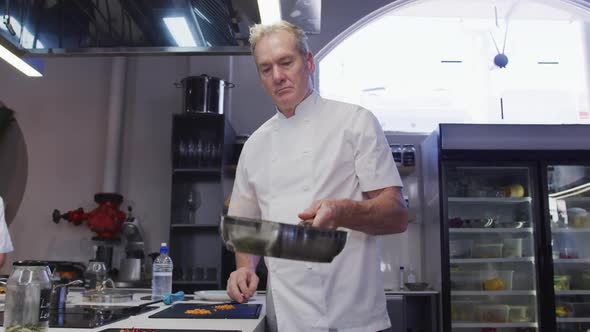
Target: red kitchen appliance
106 220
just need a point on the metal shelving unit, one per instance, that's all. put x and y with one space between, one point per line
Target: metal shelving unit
199 154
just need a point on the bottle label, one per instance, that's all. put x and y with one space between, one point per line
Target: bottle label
44 305
162 274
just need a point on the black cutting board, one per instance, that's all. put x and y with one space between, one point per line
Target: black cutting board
168 330
241 311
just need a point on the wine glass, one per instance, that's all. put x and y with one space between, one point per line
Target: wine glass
191 206
199 153
191 152
181 153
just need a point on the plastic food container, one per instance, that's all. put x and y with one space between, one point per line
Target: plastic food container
585 280
578 217
460 248
492 313
489 222
519 313
568 253
466 281
487 250
462 311
561 282
496 280
512 248
578 309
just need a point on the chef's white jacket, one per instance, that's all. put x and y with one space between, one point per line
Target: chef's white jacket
5 241
327 150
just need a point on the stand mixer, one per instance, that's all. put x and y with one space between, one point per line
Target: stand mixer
108 222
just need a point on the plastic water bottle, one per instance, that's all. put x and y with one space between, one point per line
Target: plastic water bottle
411 276
162 274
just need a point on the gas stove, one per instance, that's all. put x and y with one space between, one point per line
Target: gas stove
88 317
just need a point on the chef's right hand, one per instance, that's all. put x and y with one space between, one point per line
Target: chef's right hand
242 284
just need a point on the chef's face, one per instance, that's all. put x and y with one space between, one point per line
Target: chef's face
285 72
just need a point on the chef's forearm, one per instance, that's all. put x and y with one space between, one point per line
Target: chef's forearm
384 212
248 261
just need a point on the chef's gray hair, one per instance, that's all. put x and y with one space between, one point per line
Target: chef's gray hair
258 31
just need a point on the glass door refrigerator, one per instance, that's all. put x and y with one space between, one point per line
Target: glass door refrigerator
506 225
567 192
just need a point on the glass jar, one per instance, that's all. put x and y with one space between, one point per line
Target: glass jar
396 151
28 297
95 274
408 155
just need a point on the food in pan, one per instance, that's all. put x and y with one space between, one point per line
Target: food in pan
198 312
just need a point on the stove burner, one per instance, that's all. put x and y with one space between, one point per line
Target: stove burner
87 317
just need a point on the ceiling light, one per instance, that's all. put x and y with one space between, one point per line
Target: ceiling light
270 11
18 63
180 31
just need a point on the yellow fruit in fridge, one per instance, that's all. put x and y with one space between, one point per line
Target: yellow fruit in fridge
560 311
495 284
515 190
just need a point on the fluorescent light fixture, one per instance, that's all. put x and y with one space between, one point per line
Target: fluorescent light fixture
18 63
180 31
270 11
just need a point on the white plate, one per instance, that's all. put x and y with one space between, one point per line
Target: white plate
213 295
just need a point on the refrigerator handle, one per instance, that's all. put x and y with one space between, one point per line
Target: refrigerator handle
541 257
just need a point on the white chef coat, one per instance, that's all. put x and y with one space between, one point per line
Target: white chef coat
5 241
327 150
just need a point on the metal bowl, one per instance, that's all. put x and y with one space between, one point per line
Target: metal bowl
416 286
274 239
107 295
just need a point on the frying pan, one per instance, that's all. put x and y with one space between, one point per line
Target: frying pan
274 239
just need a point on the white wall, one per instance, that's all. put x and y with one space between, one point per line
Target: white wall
62 119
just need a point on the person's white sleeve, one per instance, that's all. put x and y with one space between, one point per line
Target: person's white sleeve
243 201
5 241
373 160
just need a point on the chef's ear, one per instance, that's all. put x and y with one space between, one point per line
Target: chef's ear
310 62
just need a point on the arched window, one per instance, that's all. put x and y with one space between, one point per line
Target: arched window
432 62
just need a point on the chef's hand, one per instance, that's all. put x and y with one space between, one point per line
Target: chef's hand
324 213
242 284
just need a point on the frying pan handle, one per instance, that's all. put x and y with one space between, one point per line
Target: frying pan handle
228 245
221 227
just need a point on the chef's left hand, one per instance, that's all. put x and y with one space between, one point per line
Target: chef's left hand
325 213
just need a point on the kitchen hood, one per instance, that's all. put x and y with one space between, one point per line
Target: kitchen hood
132 27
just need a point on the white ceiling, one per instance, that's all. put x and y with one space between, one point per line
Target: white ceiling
517 9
